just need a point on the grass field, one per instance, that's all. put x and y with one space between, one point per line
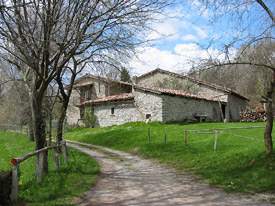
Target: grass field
238 164
57 188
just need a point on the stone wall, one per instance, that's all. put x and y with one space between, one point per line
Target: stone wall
117 88
236 105
180 109
212 93
156 106
73 112
150 80
123 113
146 103
100 89
202 90
149 104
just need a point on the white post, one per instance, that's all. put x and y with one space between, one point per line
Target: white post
56 159
40 166
216 140
64 150
65 153
14 185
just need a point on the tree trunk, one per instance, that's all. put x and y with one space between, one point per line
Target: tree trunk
269 122
30 130
50 129
39 128
61 119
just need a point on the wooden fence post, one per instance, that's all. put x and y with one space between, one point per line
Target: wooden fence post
216 140
14 185
56 159
65 152
165 138
148 135
40 166
185 137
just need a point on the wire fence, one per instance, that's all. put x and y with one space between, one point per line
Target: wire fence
220 131
25 130
14 128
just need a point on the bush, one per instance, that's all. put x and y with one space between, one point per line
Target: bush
89 117
5 187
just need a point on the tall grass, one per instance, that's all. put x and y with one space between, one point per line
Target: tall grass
57 187
238 164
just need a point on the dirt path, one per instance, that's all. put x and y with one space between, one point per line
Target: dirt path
127 179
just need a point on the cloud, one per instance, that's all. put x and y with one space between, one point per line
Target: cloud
170 24
191 51
184 24
200 32
189 37
169 29
181 59
202 10
149 58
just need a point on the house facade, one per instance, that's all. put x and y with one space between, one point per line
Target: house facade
114 102
91 87
231 103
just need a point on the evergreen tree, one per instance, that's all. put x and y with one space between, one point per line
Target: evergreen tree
124 75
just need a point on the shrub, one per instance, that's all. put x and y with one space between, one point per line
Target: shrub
89 117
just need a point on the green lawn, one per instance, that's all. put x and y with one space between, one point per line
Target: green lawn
57 188
238 164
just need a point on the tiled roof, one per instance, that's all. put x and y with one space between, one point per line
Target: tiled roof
173 92
130 96
113 98
82 85
192 79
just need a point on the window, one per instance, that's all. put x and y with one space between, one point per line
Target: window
148 118
86 94
112 110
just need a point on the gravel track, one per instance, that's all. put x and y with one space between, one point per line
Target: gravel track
126 179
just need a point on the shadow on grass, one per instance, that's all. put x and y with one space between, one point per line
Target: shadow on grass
60 187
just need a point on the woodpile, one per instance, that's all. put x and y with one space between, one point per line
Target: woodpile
253 116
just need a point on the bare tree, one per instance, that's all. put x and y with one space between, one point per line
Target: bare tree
248 22
46 35
252 84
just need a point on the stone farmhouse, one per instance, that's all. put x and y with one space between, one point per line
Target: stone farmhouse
115 102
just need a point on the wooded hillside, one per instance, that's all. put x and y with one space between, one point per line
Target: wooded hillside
250 81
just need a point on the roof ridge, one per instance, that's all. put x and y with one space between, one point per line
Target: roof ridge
101 77
187 77
115 97
173 92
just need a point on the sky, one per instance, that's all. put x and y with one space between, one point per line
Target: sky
183 30
187 33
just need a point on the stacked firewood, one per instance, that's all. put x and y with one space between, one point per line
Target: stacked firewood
253 116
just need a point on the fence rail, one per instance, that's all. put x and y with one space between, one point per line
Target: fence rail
14 128
216 132
39 165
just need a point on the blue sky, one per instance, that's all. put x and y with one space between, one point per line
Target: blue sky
188 32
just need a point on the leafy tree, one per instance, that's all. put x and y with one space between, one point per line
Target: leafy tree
124 75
